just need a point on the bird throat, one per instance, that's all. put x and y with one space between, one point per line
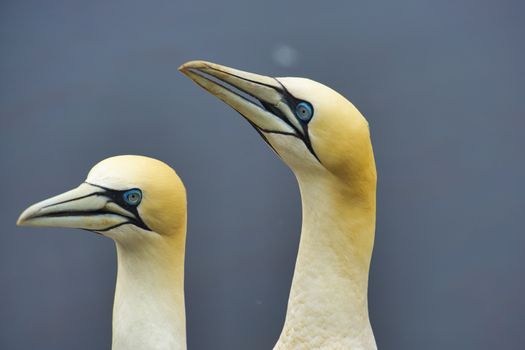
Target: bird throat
149 311
328 305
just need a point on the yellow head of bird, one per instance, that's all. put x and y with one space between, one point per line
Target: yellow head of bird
311 127
123 197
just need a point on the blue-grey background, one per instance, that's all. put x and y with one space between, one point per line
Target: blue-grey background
441 82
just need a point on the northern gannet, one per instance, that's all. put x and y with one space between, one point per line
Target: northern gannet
140 203
325 141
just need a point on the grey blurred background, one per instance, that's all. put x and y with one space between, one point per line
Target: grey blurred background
441 82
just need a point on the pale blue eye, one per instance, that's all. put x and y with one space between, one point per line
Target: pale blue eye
133 197
304 111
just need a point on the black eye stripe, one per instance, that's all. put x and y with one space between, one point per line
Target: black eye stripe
116 196
292 101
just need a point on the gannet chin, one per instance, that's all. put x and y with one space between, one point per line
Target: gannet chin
140 203
325 140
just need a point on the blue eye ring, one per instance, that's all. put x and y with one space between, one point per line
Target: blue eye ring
132 197
304 111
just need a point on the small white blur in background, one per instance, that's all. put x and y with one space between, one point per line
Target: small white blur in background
285 56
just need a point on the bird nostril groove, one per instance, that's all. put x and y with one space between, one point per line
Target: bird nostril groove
231 88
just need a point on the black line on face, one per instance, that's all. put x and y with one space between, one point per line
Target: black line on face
291 101
112 227
264 137
73 199
279 114
116 196
113 196
98 232
99 212
245 79
76 213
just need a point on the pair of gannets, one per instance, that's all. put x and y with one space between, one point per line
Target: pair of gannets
140 203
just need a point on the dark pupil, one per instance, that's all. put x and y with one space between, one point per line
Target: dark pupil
132 197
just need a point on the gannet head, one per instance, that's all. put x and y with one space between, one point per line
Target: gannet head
311 127
124 197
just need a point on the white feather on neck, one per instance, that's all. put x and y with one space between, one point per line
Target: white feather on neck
148 311
328 305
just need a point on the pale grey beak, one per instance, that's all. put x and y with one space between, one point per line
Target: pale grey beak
86 207
260 99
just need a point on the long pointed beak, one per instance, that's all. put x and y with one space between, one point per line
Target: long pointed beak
86 207
262 100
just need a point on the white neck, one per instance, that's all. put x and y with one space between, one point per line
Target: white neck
149 308
328 306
